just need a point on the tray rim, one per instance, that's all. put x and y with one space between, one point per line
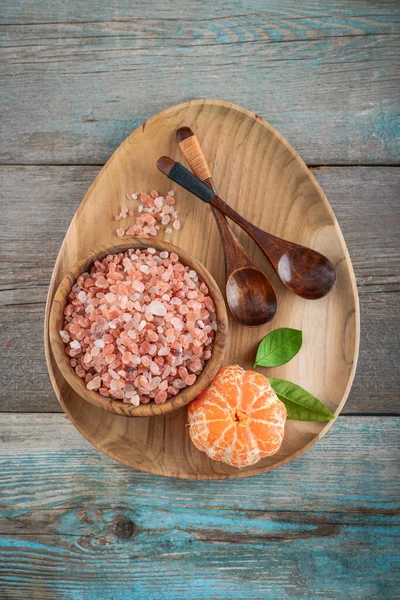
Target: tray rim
51 291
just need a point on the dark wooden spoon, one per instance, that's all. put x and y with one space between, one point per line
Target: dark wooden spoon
244 280
305 272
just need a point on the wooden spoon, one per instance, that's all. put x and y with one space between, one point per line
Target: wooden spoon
305 272
249 293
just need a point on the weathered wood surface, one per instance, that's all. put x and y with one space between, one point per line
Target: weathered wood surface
38 203
326 523
75 76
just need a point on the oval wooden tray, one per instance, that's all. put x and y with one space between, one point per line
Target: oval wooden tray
261 176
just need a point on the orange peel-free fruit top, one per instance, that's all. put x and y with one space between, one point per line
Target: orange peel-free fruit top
238 419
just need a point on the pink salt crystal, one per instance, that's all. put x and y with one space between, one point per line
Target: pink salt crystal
190 379
154 193
183 372
152 335
120 232
131 212
138 286
126 358
110 298
177 323
94 384
117 217
209 304
164 351
154 368
160 397
170 200
179 383
146 361
143 382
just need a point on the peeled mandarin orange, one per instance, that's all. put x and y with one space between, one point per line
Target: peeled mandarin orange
238 419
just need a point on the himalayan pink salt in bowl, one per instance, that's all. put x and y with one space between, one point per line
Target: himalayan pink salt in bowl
138 329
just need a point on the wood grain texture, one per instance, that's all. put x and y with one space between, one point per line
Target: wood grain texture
328 70
326 365
38 203
246 539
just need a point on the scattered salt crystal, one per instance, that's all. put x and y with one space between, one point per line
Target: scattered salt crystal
120 232
134 196
176 225
168 230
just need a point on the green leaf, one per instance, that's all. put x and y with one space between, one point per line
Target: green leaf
300 404
278 347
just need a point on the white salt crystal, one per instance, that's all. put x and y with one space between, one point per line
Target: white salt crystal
157 308
64 336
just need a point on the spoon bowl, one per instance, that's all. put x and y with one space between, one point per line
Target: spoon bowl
249 297
309 274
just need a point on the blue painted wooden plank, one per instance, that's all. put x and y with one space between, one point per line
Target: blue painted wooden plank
326 525
326 77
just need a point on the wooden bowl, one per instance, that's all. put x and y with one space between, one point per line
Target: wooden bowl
185 396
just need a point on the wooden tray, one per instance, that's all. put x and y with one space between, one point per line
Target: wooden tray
261 176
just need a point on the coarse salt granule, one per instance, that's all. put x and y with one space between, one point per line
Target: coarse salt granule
154 211
149 330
